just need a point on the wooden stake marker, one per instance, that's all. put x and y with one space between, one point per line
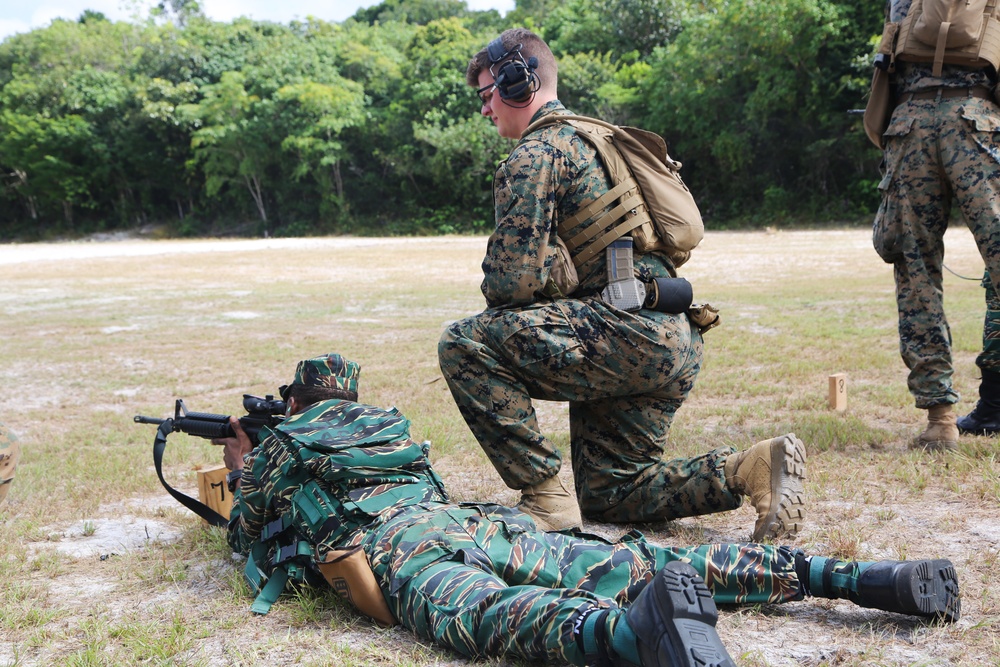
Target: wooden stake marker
838 392
212 489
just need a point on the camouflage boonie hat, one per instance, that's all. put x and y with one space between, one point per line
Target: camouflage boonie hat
9 452
331 371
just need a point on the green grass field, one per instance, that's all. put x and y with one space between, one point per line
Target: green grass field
98 566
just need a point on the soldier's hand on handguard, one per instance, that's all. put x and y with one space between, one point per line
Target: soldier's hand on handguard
234 449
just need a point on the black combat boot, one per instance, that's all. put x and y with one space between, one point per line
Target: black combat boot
674 621
926 588
985 417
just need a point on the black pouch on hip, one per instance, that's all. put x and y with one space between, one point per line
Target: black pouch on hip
669 295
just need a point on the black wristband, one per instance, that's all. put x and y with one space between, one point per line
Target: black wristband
231 478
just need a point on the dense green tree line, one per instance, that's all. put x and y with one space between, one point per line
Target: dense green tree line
367 126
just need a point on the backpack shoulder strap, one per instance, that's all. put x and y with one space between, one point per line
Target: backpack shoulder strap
552 118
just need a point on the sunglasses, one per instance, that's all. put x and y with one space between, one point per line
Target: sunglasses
485 93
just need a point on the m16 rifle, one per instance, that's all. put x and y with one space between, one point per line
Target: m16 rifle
261 412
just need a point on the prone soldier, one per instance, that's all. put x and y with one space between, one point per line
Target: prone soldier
340 480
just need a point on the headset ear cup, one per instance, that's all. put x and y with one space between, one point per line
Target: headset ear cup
513 82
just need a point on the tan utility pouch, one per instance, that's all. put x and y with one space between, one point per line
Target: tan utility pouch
704 316
880 102
563 275
348 571
879 108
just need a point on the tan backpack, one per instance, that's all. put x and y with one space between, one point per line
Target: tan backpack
651 202
957 32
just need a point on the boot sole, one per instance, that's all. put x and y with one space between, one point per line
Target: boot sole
686 611
935 445
932 587
788 472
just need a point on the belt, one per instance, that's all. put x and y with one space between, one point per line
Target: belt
938 94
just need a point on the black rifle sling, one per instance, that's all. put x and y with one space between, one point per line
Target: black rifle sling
196 506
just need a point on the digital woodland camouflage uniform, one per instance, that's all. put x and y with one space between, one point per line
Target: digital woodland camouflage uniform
481 579
938 152
623 374
9 454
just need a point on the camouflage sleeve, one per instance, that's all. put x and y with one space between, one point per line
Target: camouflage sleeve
527 190
248 516
898 9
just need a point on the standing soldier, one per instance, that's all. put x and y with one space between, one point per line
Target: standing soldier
624 371
9 453
942 145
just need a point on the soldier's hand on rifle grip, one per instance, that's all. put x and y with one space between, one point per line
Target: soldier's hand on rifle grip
234 449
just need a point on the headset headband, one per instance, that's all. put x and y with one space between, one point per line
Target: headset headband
496 52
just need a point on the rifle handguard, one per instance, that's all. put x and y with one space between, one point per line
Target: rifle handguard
205 425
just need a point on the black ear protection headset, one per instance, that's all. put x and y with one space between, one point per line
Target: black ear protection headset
515 80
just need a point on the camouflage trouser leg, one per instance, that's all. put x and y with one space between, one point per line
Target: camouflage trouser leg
9 454
486 582
624 375
989 358
936 153
627 484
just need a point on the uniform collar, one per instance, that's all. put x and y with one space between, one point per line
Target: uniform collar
555 106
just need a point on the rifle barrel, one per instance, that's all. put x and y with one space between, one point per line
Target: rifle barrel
139 419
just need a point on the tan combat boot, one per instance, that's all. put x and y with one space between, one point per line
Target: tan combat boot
771 474
941 432
551 506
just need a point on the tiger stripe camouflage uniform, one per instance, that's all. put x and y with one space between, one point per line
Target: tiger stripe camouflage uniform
624 374
9 453
480 579
937 151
